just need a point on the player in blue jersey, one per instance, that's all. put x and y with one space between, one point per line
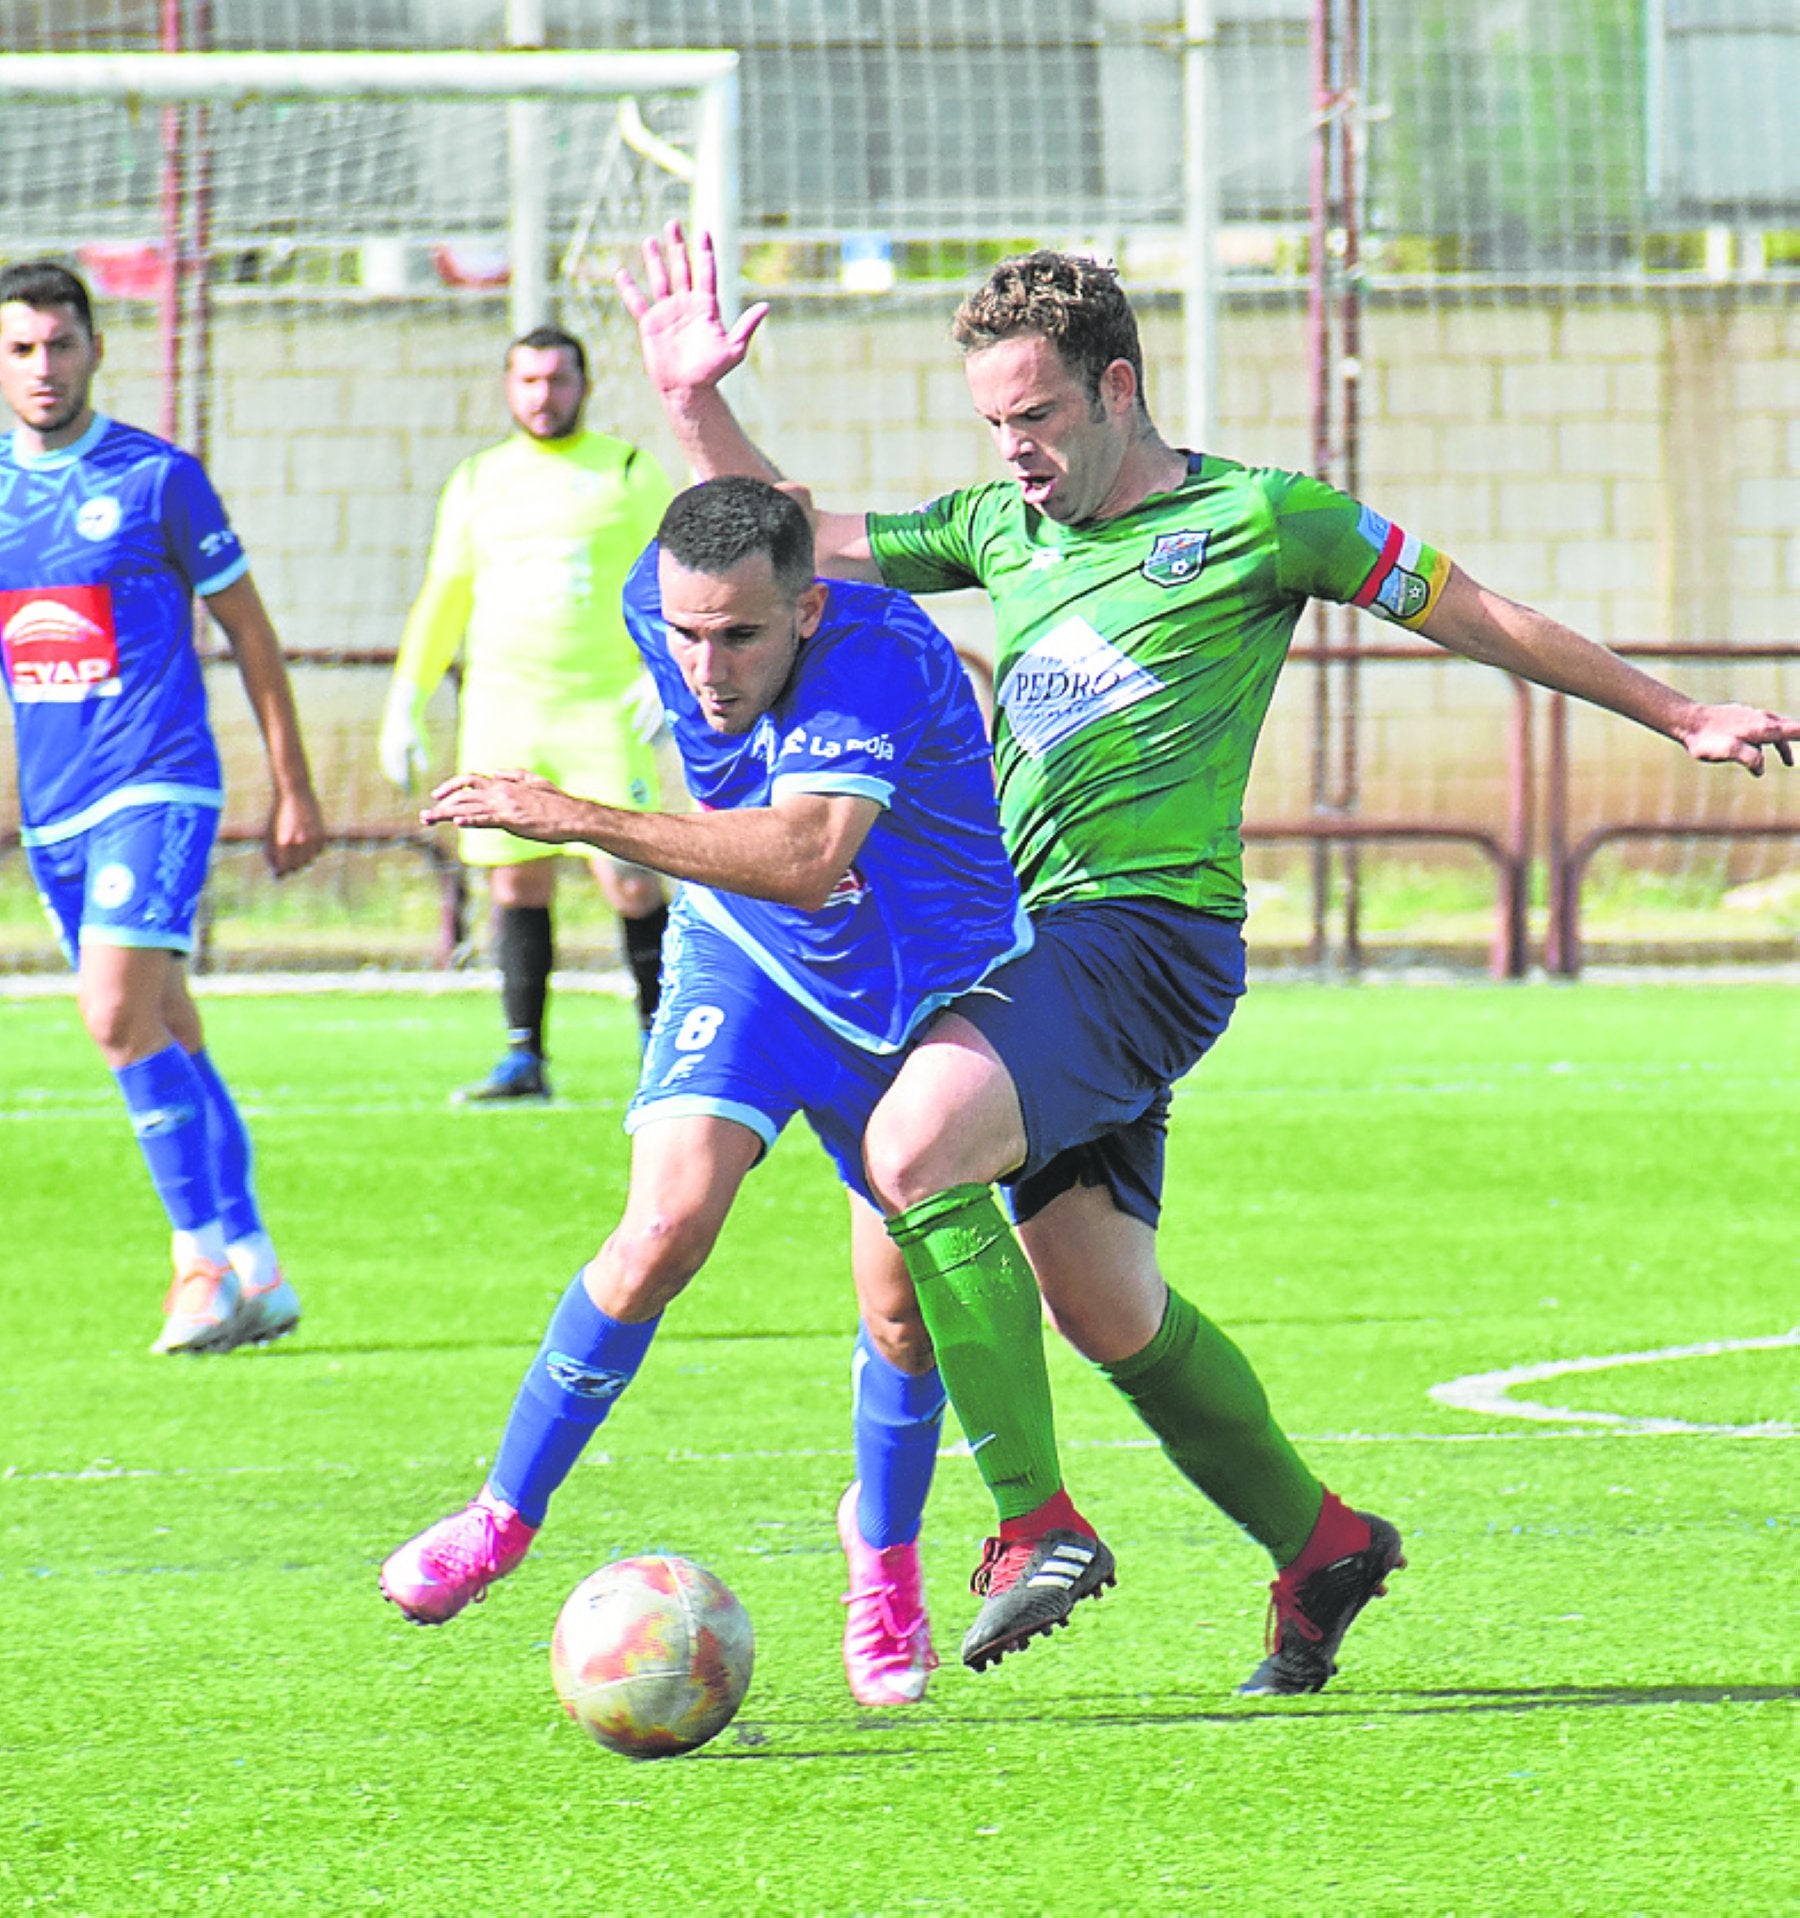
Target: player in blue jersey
106 536
843 880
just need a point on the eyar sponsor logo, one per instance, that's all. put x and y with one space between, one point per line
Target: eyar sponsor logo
59 644
1069 678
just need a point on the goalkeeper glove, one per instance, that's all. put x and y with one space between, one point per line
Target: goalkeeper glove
404 758
643 708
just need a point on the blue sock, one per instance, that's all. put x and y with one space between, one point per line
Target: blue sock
586 1360
896 1418
230 1143
167 1103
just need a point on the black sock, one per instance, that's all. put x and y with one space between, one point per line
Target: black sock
526 956
643 954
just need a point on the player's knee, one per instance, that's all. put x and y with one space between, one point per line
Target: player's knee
901 1158
649 1261
122 1029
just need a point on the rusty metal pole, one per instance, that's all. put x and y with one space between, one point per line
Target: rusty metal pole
168 317
1511 953
1350 315
201 257
1561 956
1318 355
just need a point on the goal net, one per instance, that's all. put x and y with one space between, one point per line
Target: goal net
307 268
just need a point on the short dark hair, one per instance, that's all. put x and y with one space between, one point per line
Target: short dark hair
542 339
42 283
721 523
1076 304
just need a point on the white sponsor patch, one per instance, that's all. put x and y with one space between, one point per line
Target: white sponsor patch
59 644
1072 677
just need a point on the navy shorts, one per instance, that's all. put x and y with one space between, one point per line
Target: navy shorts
1115 1002
728 1043
133 879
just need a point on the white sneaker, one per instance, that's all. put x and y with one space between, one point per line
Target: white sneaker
265 1312
201 1307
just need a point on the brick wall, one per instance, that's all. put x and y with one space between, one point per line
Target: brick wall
1633 469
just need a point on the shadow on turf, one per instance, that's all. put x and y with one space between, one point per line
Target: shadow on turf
1528 1698
1469 1700
752 1741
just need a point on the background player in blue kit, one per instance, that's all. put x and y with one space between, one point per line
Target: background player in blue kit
106 535
844 879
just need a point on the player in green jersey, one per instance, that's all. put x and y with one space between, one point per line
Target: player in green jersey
534 538
1144 598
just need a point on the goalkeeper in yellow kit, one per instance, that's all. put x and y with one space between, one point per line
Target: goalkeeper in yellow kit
534 538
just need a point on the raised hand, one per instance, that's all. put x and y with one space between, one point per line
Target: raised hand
686 344
1740 733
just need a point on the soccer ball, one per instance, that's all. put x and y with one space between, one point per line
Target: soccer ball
652 1656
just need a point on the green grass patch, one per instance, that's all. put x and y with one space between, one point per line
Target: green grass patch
1579 1698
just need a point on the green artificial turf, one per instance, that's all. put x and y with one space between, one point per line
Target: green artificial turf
1579 1698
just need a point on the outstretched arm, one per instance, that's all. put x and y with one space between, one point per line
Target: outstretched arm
295 834
1485 626
434 630
688 350
793 852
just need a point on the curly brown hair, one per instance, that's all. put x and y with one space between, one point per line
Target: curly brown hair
1076 304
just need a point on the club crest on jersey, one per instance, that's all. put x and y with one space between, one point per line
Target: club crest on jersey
1403 595
97 518
1176 558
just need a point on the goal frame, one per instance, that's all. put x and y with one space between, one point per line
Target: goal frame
529 79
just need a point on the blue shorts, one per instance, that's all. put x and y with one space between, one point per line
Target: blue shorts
1115 1002
728 1043
132 879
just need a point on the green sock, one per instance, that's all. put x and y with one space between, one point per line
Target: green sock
1195 1390
980 1305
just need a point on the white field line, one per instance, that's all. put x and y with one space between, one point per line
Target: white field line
105 1109
105 1474
1488 1393
610 983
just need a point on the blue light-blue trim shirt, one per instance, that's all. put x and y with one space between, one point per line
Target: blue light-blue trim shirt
878 705
103 545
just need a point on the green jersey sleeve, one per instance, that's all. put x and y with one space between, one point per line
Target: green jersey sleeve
1330 546
933 548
